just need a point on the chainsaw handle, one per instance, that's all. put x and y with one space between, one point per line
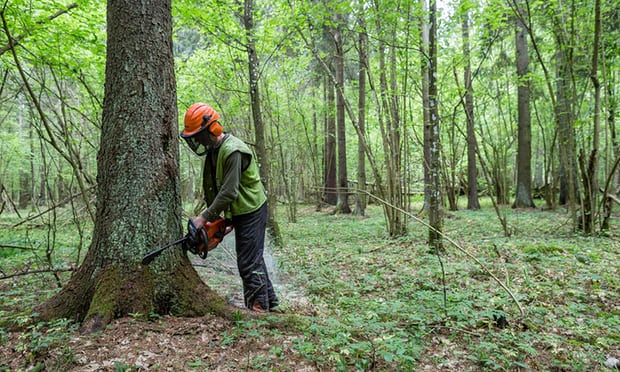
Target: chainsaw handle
218 228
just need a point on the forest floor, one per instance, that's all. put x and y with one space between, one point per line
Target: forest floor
353 299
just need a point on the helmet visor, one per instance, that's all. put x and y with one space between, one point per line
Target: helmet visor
197 147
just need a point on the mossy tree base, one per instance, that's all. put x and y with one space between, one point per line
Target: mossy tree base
94 297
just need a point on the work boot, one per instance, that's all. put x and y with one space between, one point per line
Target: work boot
258 308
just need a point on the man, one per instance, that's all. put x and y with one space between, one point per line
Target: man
231 184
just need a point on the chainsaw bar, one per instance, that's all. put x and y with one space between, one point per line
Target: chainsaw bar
151 255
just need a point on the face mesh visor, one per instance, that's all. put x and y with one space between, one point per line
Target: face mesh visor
198 148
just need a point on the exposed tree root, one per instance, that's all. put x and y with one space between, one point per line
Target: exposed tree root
95 297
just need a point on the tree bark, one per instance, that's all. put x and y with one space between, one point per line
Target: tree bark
590 174
472 173
330 195
138 196
523 197
361 200
434 213
342 205
424 71
259 126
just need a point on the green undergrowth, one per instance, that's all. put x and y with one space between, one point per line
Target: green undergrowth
371 301
36 258
386 302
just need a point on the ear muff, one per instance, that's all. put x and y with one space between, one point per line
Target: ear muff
215 128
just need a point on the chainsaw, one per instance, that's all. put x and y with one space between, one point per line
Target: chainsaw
198 241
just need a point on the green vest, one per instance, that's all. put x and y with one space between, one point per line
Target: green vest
251 195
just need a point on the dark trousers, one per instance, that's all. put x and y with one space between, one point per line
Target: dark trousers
250 244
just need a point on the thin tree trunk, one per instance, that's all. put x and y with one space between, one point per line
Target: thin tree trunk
313 144
361 200
398 195
372 161
435 217
472 173
564 118
590 174
523 197
611 125
387 112
342 205
257 118
329 152
425 68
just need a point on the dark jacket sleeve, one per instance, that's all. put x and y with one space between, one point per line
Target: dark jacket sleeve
227 193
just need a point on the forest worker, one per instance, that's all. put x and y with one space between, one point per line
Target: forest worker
231 184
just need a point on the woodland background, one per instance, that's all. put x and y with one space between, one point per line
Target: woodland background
342 92
400 111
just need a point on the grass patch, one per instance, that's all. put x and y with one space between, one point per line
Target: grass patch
381 300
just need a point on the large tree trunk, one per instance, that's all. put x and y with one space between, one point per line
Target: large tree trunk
523 197
138 197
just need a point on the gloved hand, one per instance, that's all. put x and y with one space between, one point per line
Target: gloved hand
199 221
196 239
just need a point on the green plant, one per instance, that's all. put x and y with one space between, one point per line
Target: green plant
154 316
41 336
196 364
3 336
121 367
135 316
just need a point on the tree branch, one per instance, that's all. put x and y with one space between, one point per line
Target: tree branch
51 138
41 271
65 200
484 268
15 41
13 246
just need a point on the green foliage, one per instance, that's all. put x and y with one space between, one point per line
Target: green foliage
381 300
123 367
41 336
35 252
378 302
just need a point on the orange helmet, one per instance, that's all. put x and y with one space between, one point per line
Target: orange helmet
199 117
